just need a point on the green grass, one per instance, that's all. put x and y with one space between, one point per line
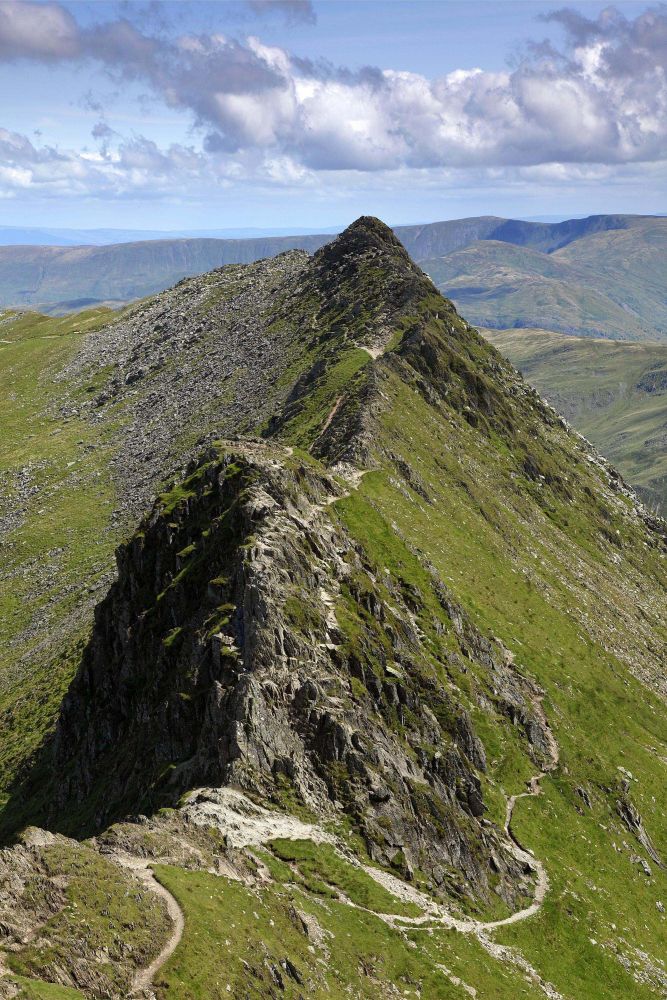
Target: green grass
614 393
234 936
628 265
58 548
32 989
519 577
313 409
322 864
109 920
599 906
609 284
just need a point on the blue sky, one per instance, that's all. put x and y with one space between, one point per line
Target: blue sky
279 113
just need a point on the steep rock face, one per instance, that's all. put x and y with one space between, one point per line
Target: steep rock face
225 654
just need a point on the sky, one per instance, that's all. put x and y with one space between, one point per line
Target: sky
291 113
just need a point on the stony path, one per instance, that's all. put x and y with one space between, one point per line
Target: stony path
434 915
244 823
139 867
248 824
144 978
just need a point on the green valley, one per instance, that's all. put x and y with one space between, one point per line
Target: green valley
615 393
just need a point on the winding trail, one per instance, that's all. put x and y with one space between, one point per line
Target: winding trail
143 979
434 915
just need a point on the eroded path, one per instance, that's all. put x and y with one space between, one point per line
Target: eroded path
139 867
246 824
435 915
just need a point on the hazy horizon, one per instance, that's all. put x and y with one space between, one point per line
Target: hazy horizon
102 236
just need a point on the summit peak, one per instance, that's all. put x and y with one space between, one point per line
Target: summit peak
365 233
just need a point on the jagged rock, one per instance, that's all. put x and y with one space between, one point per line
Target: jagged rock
584 796
252 700
632 819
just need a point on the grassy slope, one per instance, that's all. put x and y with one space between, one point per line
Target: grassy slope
603 389
107 915
54 473
630 266
512 566
589 693
33 989
499 285
236 935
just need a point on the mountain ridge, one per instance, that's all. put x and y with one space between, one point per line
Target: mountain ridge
46 276
393 601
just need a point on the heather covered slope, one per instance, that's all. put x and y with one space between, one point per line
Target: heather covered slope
406 625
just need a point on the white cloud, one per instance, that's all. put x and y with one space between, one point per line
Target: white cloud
268 115
132 167
49 32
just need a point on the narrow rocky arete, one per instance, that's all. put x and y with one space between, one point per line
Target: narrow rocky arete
344 693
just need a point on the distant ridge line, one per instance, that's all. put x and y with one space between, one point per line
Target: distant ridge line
46 278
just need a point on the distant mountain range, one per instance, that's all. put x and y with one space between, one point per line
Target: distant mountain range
64 237
601 284
38 236
602 276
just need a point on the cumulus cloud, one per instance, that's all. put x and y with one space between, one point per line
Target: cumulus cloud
48 32
625 46
599 98
130 168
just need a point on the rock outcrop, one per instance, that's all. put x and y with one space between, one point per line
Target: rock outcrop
225 655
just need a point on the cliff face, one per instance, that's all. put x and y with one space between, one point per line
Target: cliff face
249 642
254 639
